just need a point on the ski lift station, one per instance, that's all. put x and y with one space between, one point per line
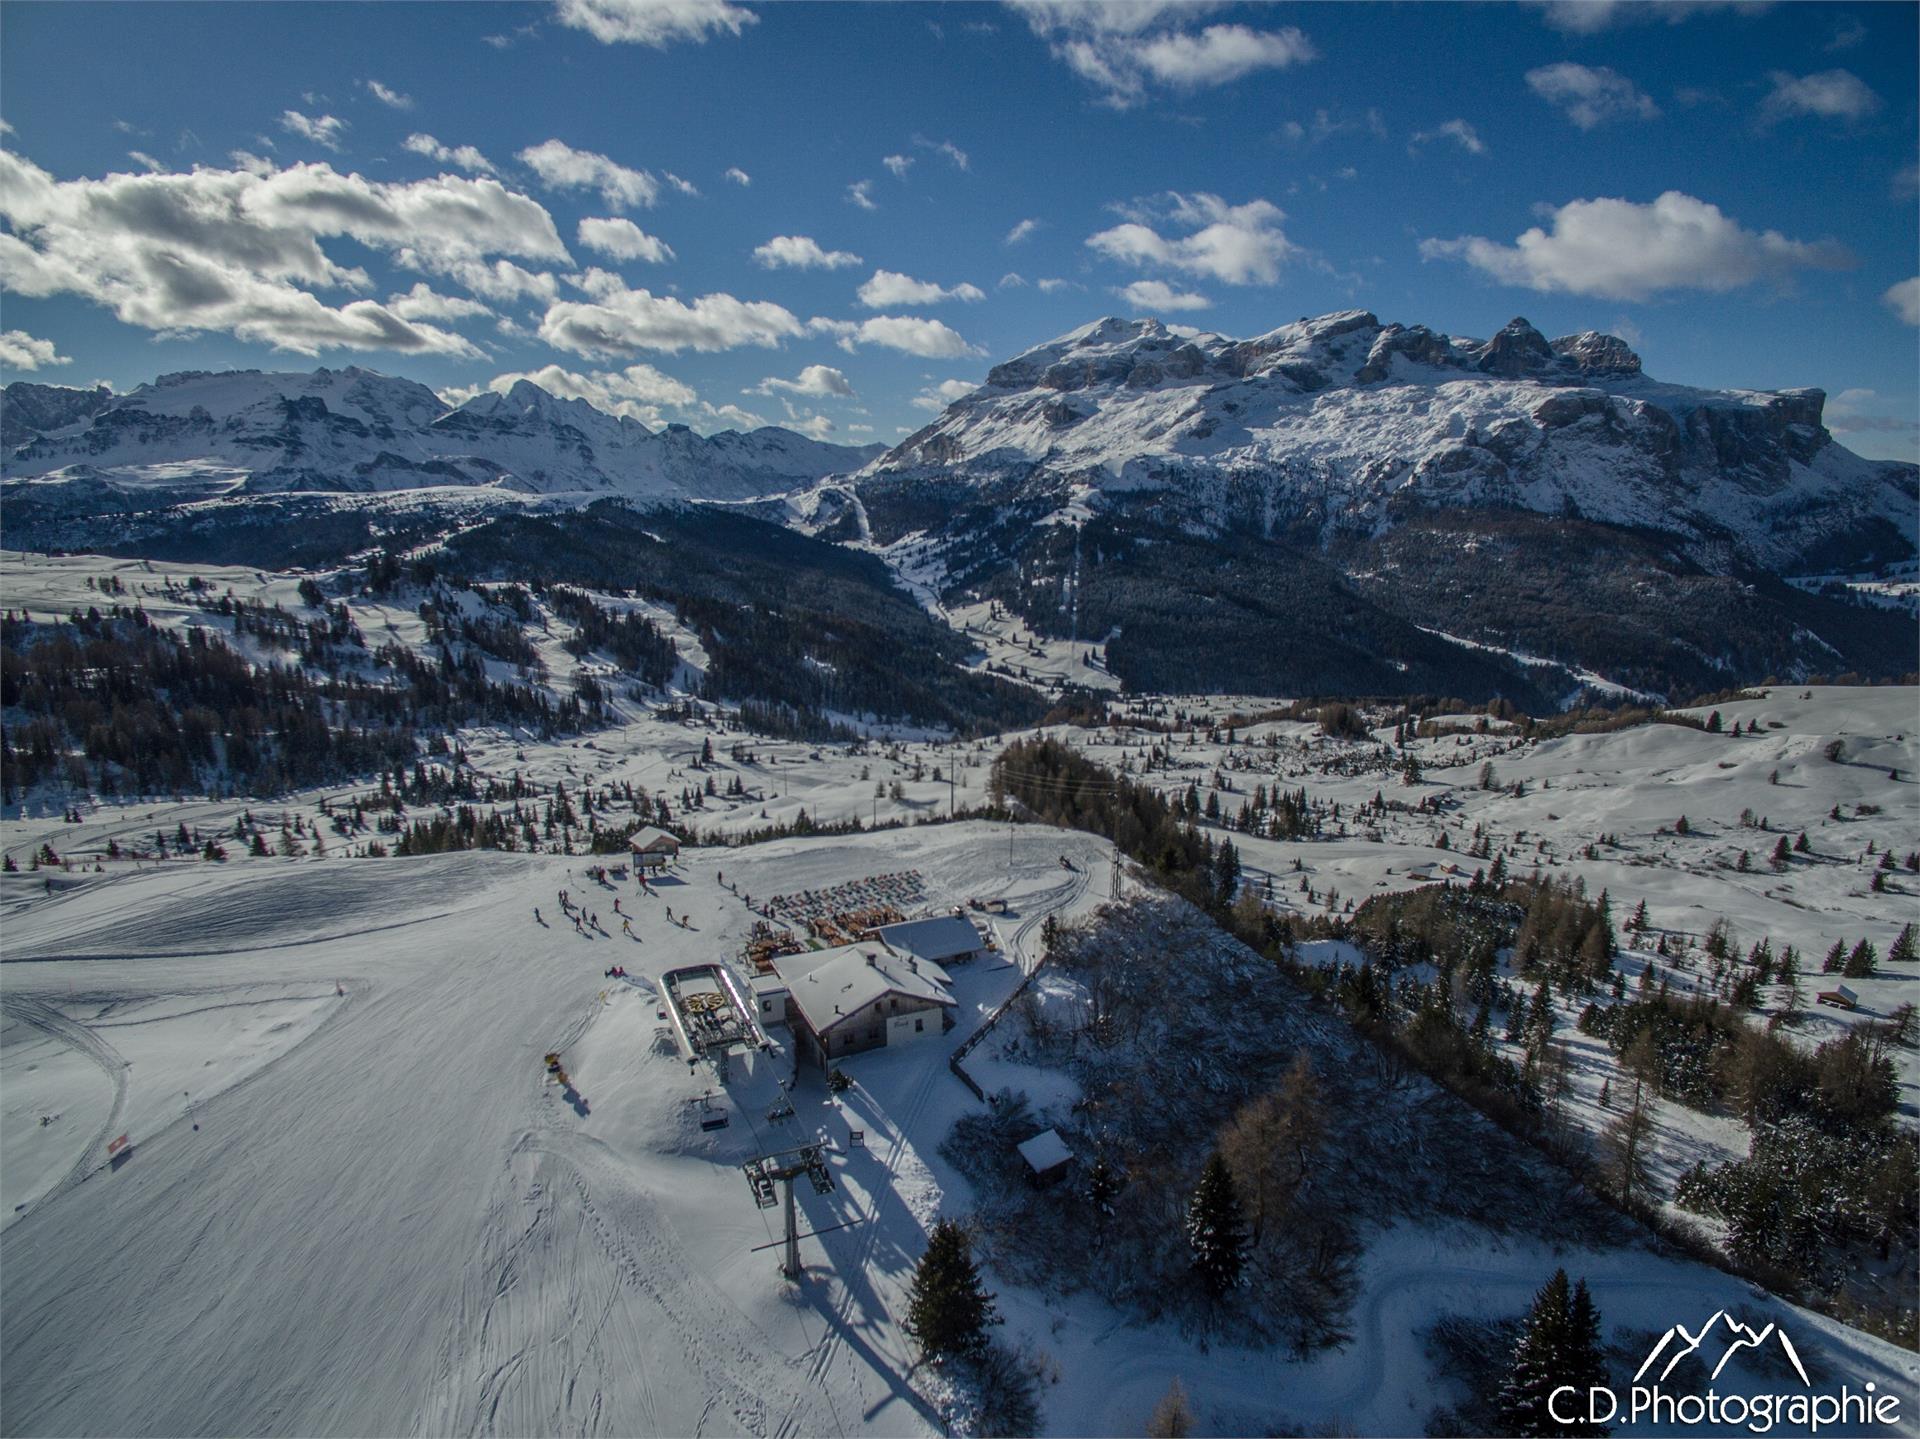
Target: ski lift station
709 1015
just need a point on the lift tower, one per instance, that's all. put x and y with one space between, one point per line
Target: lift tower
783 1168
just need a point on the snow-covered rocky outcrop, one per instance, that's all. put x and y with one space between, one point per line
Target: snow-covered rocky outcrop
200 434
1343 423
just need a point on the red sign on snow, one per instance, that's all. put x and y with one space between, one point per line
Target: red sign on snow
114 1146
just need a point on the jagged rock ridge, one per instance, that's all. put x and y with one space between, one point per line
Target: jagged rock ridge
1343 424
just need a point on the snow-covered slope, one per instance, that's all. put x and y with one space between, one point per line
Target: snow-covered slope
1342 423
249 431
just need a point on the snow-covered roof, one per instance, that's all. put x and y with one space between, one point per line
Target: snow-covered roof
767 984
1045 1151
651 837
831 984
939 938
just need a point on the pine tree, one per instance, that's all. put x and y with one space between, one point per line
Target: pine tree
1861 962
1103 1187
948 1309
1216 1231
1836 958
1540 1362
1903 947
1587 1363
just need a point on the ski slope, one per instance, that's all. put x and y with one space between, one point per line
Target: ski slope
354 1205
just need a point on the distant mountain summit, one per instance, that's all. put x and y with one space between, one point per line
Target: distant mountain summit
1346 504
201 434
1342 425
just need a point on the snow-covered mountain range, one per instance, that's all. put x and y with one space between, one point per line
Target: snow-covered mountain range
1336 507
249 432
1341 424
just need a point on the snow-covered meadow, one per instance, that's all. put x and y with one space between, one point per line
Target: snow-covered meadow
349 1201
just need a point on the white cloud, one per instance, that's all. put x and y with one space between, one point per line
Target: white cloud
1054 287
1829 95
1859 414
1591 95
953 152
733 415
889 287
1904 300
819 381
616 320
639 392
738 176
1626 251
1158 296
801 252
1330 124
240 251
814 427
860 193
1847 34
464 156
146 161
502 281
564 168
388 96
1458 131
1124 49
685 187
898 165
927 338
1237 244
423 302
322 130
623 240
1590 17
653 22
937 397
21 351
1012 280
1022 231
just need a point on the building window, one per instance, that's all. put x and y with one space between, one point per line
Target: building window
919 1026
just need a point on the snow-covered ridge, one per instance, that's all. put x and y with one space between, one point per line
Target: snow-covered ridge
356 430
1350 421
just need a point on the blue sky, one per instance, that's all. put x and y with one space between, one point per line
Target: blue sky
820 215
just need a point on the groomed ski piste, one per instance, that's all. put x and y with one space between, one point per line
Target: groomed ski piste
353 1202
351 1198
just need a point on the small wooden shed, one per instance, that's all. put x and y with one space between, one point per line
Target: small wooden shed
1047 1156
653 849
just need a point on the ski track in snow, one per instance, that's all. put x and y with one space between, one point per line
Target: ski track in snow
375 1216
37 1014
